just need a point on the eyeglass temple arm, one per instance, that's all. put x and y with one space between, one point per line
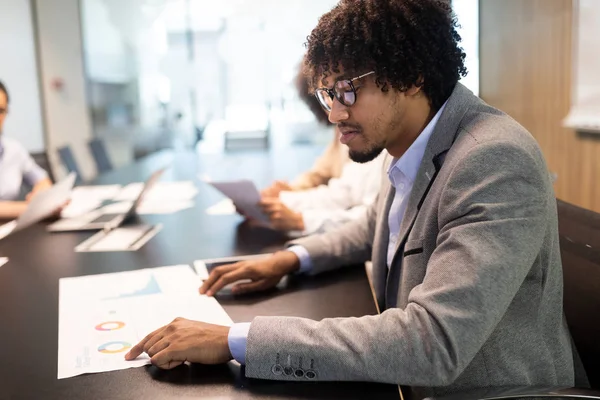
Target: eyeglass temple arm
363 75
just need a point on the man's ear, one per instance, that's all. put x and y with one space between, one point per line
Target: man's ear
415 89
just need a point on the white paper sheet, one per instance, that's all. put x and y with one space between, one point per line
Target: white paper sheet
98 192
183 190
46 203
3 260
87 198
130 192
125 238
7 228
224 207
101 317
244 195
149 206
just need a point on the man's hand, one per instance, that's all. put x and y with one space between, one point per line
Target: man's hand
276 188
264 273
184 340
281 217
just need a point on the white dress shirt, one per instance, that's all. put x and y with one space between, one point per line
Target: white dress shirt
343 199
16 166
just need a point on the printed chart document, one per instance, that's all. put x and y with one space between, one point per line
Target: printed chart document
244 195
101 317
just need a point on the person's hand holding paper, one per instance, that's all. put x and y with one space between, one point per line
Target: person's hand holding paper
245 197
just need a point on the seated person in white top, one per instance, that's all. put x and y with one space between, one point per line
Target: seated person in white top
16 166
335 191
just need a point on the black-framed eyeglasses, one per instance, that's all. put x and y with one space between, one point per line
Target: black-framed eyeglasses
343 90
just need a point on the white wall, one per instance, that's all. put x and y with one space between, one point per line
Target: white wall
18 71
61 56
585 111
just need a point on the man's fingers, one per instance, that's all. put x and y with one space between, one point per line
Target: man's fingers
155 339
228 278
215 274
249 287
139 348
157 347
166 359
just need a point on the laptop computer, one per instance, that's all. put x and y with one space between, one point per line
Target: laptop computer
41 206
97 220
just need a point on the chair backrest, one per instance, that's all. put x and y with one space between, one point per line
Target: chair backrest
580 249
43 161
100 154
68 160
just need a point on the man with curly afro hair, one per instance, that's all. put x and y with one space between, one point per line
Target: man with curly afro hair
463 237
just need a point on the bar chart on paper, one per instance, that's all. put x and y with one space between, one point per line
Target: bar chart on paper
101 317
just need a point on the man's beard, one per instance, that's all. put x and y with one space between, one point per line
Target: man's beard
365 156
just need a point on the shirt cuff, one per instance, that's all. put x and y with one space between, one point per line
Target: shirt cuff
237 340
303 256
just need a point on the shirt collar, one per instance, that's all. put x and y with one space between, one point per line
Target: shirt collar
1 146
408 164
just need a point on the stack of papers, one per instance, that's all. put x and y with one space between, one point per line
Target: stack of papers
87 198
125 238
163 198
101 317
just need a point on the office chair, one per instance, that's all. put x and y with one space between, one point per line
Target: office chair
68 160
579 231
43 161
580 250
100 154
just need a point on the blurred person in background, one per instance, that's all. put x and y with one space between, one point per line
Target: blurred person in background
334 191
16 167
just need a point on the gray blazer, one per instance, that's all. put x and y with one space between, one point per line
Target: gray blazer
474 294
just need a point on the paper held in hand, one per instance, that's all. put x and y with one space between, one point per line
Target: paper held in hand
244 195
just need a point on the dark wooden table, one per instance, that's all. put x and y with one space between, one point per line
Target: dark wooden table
38 259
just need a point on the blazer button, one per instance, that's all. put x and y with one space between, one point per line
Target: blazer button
277 369
288 370
310 374
299 373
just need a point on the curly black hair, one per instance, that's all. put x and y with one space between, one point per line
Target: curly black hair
303 90
406 42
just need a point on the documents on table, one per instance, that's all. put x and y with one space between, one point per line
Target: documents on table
149 206
224 207
245 197
87 198
7 228
41 206
101 317
162 191
3 260
125 238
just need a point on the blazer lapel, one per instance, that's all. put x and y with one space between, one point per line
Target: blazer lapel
441 140
380 269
